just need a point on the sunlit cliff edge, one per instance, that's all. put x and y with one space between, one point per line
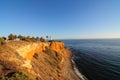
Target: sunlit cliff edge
36 61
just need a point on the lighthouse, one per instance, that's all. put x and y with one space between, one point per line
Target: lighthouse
50 37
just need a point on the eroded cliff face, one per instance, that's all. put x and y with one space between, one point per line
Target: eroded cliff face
41 60
29 50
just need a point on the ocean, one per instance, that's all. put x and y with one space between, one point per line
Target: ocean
96 59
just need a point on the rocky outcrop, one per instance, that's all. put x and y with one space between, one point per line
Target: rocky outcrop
41 60
29 50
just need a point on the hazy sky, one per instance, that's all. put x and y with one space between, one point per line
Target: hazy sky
61 18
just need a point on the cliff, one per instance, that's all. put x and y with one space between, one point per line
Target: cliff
37 61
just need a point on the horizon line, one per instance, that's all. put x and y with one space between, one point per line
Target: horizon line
85 38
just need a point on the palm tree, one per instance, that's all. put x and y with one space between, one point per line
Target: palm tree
47 38
20 37
27 38
37 39
42 39
33 39
12 37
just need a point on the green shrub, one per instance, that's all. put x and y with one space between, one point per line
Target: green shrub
52 63
51 41
48 50
16 76
35 56
2 41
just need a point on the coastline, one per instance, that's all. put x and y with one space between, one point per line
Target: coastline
64 69
77 71
69 70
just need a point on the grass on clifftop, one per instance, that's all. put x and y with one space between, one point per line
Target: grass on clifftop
16 76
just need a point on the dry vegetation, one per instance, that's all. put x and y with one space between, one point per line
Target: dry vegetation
45 64
52 63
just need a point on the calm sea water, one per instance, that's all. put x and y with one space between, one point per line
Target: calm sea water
97 59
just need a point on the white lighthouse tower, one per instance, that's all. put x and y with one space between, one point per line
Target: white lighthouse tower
51 38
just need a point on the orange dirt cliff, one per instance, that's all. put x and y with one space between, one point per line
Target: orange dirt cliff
36 61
